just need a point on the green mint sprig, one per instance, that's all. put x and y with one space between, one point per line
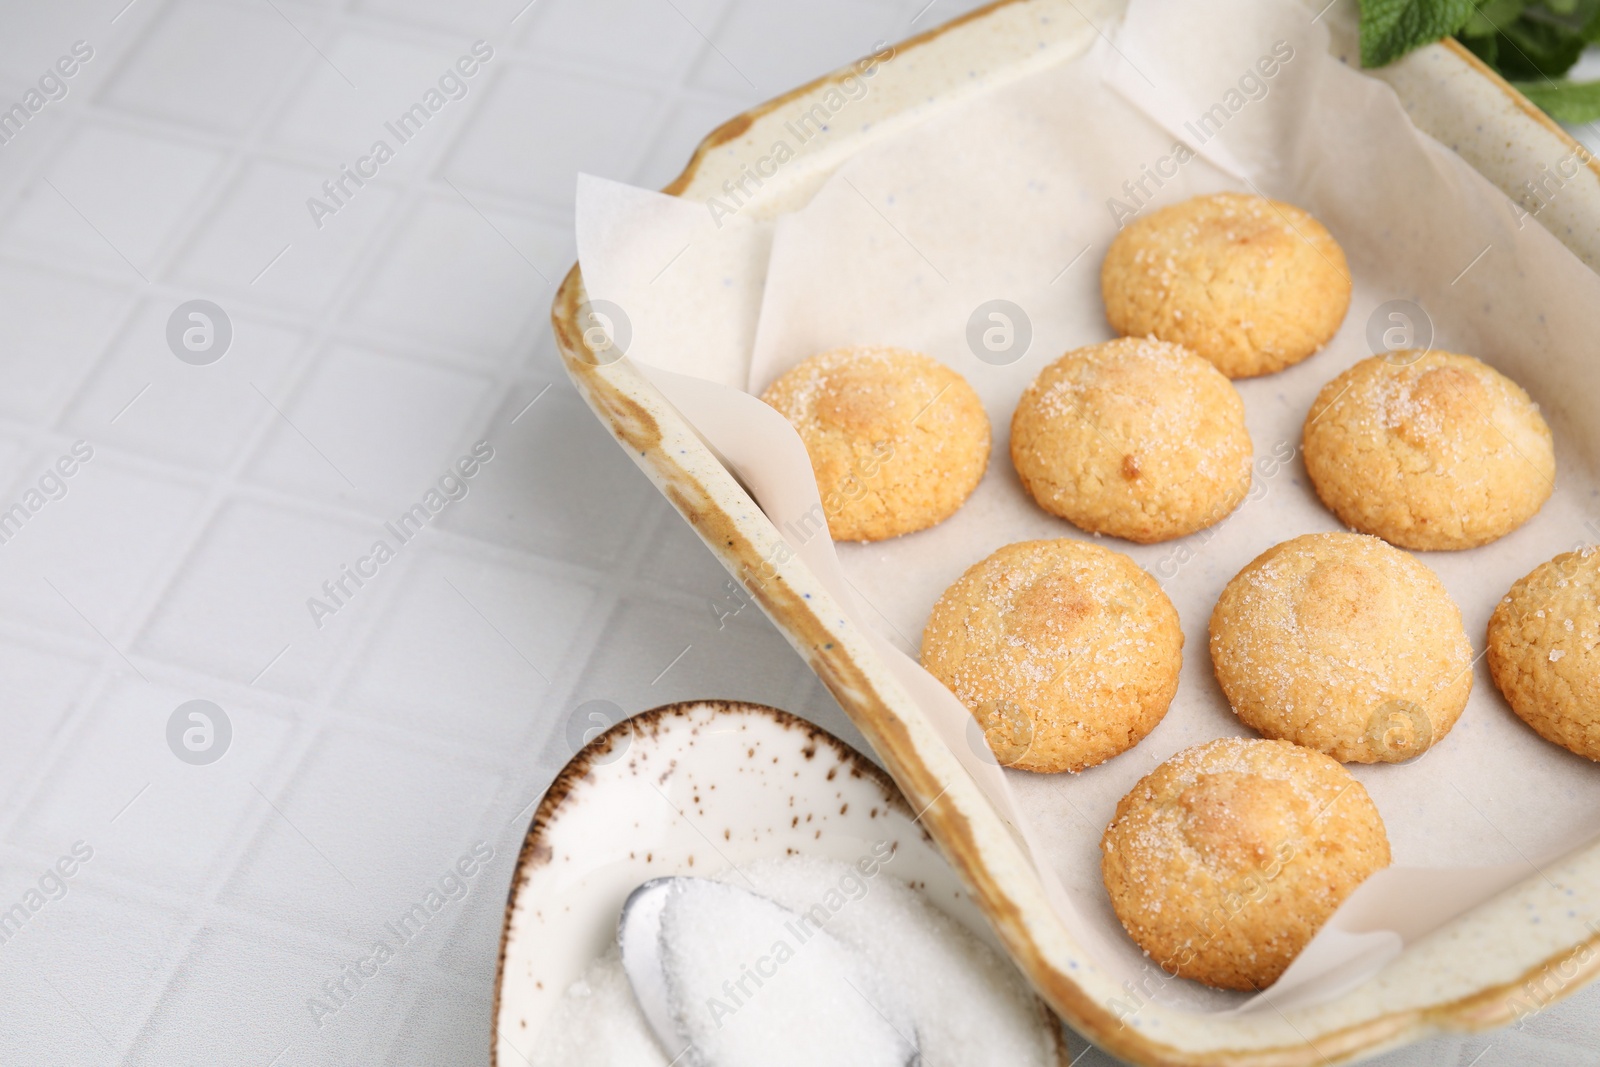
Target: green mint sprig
1533 45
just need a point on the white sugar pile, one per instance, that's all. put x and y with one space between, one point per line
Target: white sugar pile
754 983
598 1023
927 973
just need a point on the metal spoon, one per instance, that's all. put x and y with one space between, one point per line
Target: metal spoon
640 936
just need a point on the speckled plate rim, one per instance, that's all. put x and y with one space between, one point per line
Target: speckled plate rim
534 851
1474 987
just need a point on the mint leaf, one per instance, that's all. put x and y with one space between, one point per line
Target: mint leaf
1570 102
1490 16
1486 48
1530 42
1529 48
1573 14
1391 28
1481 31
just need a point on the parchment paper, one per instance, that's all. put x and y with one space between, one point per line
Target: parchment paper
1016 196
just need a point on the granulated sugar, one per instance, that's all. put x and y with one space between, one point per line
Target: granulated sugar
598 1023
752 982
932 977
969 1004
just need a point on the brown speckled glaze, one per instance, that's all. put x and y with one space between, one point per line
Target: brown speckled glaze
1464 978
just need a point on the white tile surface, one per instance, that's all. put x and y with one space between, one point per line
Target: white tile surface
119 753
39 695
556 451
210 65
496 638
64 993
390 69
244 992
52 328
481 17
71 570
327 839
239 602
537 129
448 1017
141 399
768 48
430 709
464 277
34 43
371 426
114 197
262 243
653 37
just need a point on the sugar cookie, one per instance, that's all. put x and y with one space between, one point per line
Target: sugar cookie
1066 653
1224 861
1429 451
1253 285
1342 643
1544 650
1135 438
897 440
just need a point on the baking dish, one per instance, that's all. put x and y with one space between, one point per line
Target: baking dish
1480 971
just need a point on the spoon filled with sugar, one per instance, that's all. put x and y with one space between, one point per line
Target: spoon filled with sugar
726 977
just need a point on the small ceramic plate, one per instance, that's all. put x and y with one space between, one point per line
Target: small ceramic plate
689 789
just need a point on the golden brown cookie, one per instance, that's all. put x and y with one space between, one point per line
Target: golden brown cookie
1345 644
1254 285
1429 451
1544 650
1066 653
1134 438
1225 861
897 440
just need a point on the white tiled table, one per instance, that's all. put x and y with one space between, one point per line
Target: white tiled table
429 710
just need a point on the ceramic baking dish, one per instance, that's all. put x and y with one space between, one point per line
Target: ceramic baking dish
1480 971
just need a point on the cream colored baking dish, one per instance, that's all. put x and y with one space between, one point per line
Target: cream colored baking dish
1482 970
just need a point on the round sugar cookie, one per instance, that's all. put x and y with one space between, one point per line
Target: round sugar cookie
1344 644
1136 438
1251 284
1066 653
1544 650
1224 861
897 440
1429 450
